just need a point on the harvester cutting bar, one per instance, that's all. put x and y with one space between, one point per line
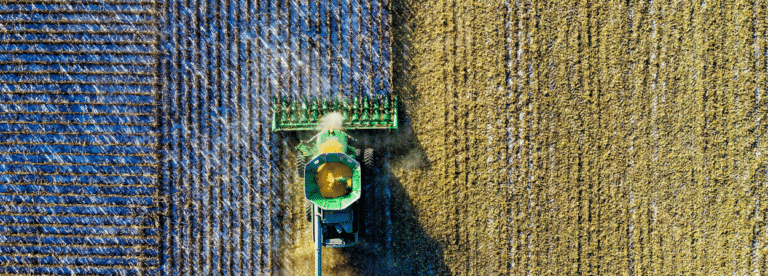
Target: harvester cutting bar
290 114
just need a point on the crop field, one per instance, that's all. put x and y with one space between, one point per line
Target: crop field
571 137
536 137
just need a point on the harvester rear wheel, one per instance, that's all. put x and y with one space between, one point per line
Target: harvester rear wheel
300 165
308 210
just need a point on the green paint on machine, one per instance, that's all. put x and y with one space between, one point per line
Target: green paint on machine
359 113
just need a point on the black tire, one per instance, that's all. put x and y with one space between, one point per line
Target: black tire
368 162
308 210
367 206
300 165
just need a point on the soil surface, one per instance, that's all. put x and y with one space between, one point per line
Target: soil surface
565 137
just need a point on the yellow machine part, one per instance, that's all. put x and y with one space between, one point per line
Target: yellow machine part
327 174
330 146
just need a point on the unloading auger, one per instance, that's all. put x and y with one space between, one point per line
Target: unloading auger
333 176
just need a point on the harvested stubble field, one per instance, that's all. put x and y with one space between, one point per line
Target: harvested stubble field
568 137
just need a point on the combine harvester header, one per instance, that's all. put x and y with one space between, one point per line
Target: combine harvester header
359 113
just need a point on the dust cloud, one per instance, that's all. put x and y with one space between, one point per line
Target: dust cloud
332 121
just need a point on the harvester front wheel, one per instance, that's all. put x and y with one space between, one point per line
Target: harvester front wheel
367 207
300 165
368 161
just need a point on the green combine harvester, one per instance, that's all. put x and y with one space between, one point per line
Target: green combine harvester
333 176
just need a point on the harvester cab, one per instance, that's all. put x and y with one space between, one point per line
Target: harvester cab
331 168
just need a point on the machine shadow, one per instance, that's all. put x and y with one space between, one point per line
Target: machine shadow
392 240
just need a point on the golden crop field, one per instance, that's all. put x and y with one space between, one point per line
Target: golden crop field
567 137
